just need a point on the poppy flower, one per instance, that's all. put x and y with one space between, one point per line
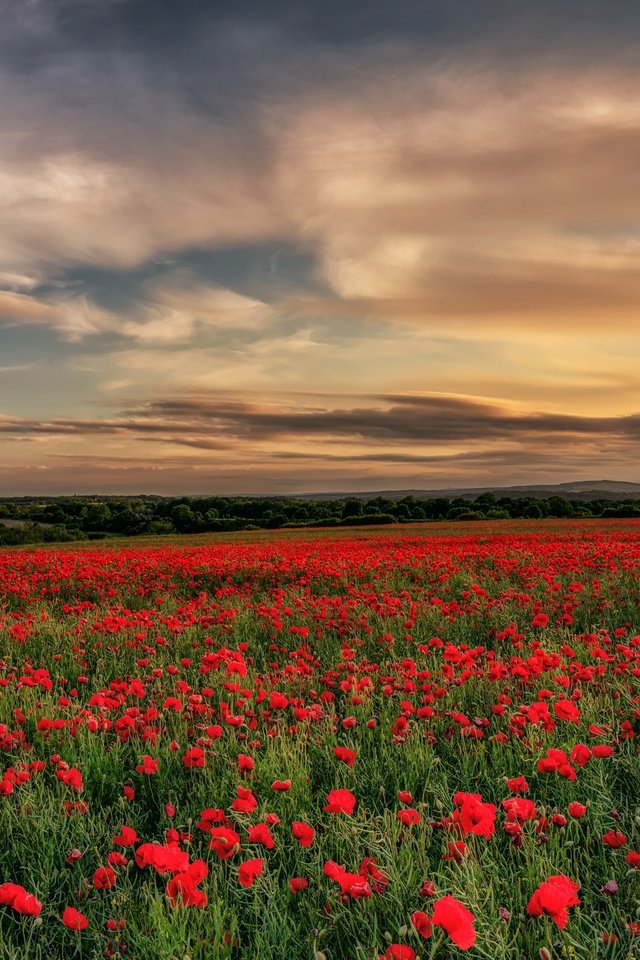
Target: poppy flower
245 801
615 839
166 858
576 810
249 871
104 878
261 834
553 897
296 884
340 801
421 923
181 889
517 785
116 859
377 879
281 785
225 841
303 833
345 754
352 885
127 837
73 919
15 896
194 757
408 817
147 765
455 920
399 951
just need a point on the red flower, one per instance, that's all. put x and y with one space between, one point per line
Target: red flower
404 796
13 895
399 951
633 859
540 620
104 878
249 871
303 833
73 919
245 802
421 923
476 817
408 817
553 897
615 839
116 859
167 858
181 889
261 834
345 754
148 765
351 884
224 841
281 785
296 884
340 801
517 785
127 837
566 710
194 757
576 810
456 920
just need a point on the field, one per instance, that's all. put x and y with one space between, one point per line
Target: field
339 746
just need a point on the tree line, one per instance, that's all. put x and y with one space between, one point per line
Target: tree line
59 519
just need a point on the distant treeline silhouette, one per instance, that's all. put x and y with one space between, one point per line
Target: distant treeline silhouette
59 519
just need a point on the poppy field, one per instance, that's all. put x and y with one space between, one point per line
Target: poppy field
332 748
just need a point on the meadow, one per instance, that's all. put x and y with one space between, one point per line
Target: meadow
347 745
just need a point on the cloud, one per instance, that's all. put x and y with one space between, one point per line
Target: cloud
167 312
394 420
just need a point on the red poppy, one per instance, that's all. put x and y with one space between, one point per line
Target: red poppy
225 841
352 885
261 834
456 920
147 765
340 801
249 871
104 878
73 919
408 817
421 923
194 757
303 833
345 754
296 884
553 897
245 801
399 951
576 810
127 837
281 785
615 839
15 896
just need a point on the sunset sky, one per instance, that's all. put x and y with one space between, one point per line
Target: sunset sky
270 246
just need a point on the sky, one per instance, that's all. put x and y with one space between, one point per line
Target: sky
287 247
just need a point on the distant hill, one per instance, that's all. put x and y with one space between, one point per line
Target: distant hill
573 490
